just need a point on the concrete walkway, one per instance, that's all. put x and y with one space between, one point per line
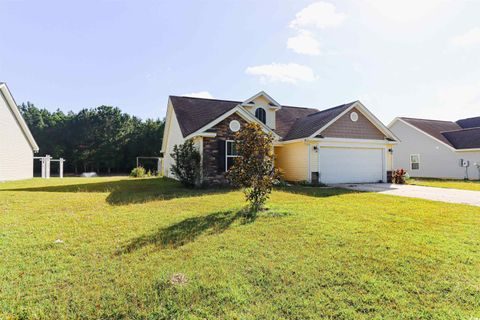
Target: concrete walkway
429 193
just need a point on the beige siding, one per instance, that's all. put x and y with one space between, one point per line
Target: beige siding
390 163
174 137
344 127
16 154
313 157
292 159
261 102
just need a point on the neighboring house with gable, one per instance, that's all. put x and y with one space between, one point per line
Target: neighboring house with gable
17 144
438 149
343 144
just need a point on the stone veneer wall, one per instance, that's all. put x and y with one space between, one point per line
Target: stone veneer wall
213 154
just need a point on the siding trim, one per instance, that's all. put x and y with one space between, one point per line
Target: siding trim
5 92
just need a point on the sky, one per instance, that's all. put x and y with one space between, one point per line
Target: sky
399 58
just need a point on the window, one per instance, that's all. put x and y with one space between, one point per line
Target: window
230 154
261 115
415 161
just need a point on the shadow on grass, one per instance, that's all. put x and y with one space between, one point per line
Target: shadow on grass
184 231
129 190
319 192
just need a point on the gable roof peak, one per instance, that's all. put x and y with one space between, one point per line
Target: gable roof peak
274 104
18 116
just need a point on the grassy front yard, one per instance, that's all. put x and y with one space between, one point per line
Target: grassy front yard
317 253
450 184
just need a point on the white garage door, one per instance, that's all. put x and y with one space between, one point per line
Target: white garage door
345 165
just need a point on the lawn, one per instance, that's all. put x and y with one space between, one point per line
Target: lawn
445 183
149 249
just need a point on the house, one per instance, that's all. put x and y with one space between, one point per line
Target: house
343 144
438 149
16 142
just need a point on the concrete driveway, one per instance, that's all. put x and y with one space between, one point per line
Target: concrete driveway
429 193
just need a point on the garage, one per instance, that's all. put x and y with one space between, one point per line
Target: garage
347 165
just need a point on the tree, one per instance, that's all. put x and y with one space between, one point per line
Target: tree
253 170
102 139
187 163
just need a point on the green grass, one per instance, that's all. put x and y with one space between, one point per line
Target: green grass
446 183
317 253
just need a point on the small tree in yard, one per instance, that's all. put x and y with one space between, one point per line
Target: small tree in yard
187 163
253 170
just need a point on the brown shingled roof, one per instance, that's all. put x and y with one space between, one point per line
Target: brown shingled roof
291 122
306 126
194 113
434 127
287 116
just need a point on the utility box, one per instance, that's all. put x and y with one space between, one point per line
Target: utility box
464 163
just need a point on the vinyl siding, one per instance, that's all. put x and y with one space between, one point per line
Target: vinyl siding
175 137
16 154
344 127
292 159
436 159
389 159
263 103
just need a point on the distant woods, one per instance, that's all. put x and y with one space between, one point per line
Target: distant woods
102 139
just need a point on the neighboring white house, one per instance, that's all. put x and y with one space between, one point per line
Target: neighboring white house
437 149
16 142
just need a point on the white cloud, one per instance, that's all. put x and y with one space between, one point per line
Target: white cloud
277 72
304 43
469 38
319 15
200 94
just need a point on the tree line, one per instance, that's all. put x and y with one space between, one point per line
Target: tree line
102 139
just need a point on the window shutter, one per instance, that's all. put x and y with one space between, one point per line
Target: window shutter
221 156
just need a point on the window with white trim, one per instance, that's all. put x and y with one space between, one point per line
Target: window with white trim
230 153
261 115
414 161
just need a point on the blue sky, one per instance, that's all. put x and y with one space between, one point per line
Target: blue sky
400 58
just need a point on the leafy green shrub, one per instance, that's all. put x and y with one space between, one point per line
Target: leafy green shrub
253 169
398 176
138 172
187 164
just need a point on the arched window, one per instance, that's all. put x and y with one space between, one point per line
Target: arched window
261 115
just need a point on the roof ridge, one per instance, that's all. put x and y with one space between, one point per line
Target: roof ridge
333 108
294 107
199 98
283 106
426 119
459 119
463 129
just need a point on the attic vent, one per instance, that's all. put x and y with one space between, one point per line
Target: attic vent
271 104
251 102
354 116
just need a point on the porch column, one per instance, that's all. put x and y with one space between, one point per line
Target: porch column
61 167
